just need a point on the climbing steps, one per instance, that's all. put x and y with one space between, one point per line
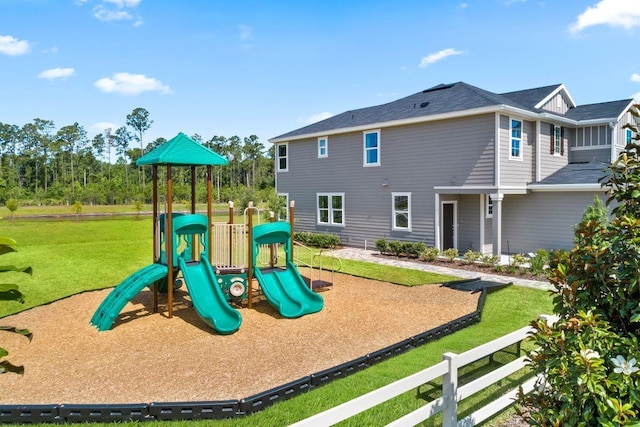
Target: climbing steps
106 314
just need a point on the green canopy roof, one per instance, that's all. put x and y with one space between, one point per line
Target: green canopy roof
183 151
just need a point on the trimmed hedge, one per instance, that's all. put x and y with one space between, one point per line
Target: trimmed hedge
317 240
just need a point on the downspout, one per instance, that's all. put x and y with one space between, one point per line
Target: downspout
496 147
538 138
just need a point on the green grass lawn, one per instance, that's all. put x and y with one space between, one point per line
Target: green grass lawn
26 211
70 257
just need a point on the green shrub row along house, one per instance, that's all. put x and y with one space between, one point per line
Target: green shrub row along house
454 166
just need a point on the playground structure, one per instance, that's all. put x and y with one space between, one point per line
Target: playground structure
183 245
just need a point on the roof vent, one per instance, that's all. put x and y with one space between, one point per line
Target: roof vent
424 104
439 87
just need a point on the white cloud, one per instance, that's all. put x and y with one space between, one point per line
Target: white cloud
463 5
636 97
123 3
57 73
52 50
245 32
635 77
315 118
12 46
106 15
131 84
100 127
435 57
615 13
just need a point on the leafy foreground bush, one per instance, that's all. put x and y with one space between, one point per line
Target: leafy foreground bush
588 358
10 292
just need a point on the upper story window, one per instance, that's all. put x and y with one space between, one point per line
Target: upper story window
557 135
282 213
331 208
282 157
401 211
489 207
628 136
372 148
323 147
515 151
557 141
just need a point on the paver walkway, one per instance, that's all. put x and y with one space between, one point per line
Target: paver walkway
368 256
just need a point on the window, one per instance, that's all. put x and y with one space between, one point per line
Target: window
323 146
628 136
282 157
516 140
372 148
557 135
401 211
282 213
489 207
331 208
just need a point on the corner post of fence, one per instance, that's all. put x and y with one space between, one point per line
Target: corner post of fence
450 391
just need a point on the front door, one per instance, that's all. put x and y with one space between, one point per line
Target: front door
448 225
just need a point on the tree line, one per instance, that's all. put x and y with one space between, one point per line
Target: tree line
42 165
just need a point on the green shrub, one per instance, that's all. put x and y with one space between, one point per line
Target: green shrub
317 240
413 249
382 246
489 260
451 254
430 254
538 261
395 247
471 256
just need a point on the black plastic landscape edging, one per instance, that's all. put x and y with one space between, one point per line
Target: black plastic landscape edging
165 411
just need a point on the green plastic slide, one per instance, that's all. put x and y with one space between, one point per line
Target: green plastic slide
207 297
113 304
287 291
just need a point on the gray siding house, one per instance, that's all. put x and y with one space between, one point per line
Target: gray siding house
454 166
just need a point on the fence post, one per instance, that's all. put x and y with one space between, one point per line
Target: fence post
450 391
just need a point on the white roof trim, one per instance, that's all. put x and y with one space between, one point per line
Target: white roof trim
557 90
564 187
480 189
627 108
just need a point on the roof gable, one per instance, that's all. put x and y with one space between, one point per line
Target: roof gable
183 151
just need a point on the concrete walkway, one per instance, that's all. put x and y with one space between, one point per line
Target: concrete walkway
368 256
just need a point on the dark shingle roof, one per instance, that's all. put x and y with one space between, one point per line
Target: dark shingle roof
577 173
450 98
602 110
531 97
444 98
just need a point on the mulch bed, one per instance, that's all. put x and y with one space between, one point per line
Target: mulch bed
147 357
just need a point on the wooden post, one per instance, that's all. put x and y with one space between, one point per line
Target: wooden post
250 250
209 211
194 242
156 232
291 223
169 242
272 247
230 230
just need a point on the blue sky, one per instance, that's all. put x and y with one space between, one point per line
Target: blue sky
267 67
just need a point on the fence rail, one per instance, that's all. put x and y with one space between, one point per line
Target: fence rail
448 370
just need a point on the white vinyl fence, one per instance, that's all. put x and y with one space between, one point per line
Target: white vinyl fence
451 393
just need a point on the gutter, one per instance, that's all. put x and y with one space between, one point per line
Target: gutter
552 188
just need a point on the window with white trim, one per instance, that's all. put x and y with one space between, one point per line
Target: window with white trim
282 157
331 208
628 136
323 147
283 207
401 211
557 141
515 151
488 207
371 142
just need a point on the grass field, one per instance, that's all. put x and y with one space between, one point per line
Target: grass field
70 257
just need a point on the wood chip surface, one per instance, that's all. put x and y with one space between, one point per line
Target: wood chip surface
148 357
